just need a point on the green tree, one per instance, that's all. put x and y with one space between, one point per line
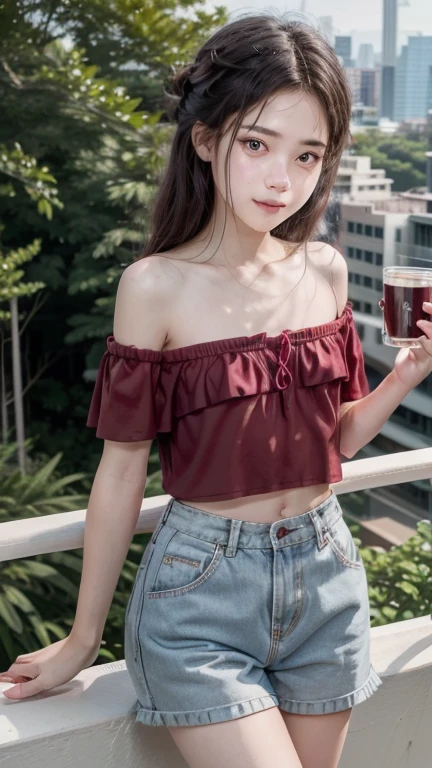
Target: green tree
403 159
104 142
39 186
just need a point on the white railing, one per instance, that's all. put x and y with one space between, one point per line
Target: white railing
90 720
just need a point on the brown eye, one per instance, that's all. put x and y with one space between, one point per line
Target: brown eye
306 155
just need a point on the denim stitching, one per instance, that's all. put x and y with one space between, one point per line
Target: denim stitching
194 584
343 558
299 599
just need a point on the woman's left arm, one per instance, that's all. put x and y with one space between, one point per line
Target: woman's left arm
361 421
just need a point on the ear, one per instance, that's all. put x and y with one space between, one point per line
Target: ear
201 141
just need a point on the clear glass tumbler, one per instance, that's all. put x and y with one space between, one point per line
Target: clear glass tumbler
405 290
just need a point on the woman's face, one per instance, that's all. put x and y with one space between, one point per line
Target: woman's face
278 161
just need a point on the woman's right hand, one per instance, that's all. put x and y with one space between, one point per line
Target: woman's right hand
51 666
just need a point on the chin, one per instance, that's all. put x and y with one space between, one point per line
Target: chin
254 223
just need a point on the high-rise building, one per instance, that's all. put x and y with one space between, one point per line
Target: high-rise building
366 56
388 71
343 47
368 87
413 96
363 85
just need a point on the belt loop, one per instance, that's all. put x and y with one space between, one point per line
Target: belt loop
231 547
320 529
162 520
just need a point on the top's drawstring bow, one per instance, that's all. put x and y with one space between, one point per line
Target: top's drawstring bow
283 376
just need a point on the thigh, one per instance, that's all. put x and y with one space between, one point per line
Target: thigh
260 740
318 739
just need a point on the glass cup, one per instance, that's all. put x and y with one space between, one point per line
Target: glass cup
405 290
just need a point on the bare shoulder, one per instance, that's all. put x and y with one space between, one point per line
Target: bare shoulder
144 302
332 265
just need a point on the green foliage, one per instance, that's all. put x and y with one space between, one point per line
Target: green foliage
400 580
103 141
402 158
153 36
41 492
38 182
11 285
36 595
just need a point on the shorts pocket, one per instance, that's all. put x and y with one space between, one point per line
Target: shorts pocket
186 563
342 543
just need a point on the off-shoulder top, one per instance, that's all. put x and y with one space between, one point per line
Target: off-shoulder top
235 417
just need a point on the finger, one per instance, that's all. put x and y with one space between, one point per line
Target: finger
22 670
20 660
426 327
426 343
24 690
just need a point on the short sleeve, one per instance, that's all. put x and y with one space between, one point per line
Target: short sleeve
356 385
124 402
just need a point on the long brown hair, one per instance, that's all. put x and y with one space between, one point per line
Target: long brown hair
241 65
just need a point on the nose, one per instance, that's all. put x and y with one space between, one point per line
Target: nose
279 181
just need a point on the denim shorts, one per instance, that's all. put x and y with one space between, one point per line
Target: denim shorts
228 617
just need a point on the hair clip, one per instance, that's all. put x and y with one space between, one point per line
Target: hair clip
213 54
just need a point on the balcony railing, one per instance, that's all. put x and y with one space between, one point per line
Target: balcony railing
90 720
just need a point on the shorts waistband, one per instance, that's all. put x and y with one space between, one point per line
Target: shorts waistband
233 534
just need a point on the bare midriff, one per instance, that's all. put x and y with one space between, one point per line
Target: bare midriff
267 507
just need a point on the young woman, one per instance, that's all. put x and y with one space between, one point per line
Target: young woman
247 630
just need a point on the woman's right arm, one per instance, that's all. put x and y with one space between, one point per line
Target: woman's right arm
114 504
112 515
141 318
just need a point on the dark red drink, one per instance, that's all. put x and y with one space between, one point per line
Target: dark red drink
405 290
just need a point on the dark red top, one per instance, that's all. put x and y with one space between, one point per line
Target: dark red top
235 417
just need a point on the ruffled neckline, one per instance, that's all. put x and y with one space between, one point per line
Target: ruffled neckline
235 344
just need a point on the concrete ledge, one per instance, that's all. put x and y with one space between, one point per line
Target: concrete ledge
65 530
90 721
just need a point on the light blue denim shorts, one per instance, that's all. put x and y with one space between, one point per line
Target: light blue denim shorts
227 618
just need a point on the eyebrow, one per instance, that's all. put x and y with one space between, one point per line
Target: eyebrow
276 135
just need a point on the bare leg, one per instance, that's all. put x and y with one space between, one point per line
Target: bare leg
260 740
318 739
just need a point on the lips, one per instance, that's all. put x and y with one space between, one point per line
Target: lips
269 209
270 203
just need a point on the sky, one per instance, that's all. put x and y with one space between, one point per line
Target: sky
362 20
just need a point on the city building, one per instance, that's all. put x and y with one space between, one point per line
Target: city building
369 87
413 93
392 229
366 56
364 86
357 181
388 60
364 118
343 48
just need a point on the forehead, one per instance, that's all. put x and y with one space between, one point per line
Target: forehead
293 114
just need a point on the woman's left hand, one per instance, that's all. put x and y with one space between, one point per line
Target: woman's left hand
413 364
